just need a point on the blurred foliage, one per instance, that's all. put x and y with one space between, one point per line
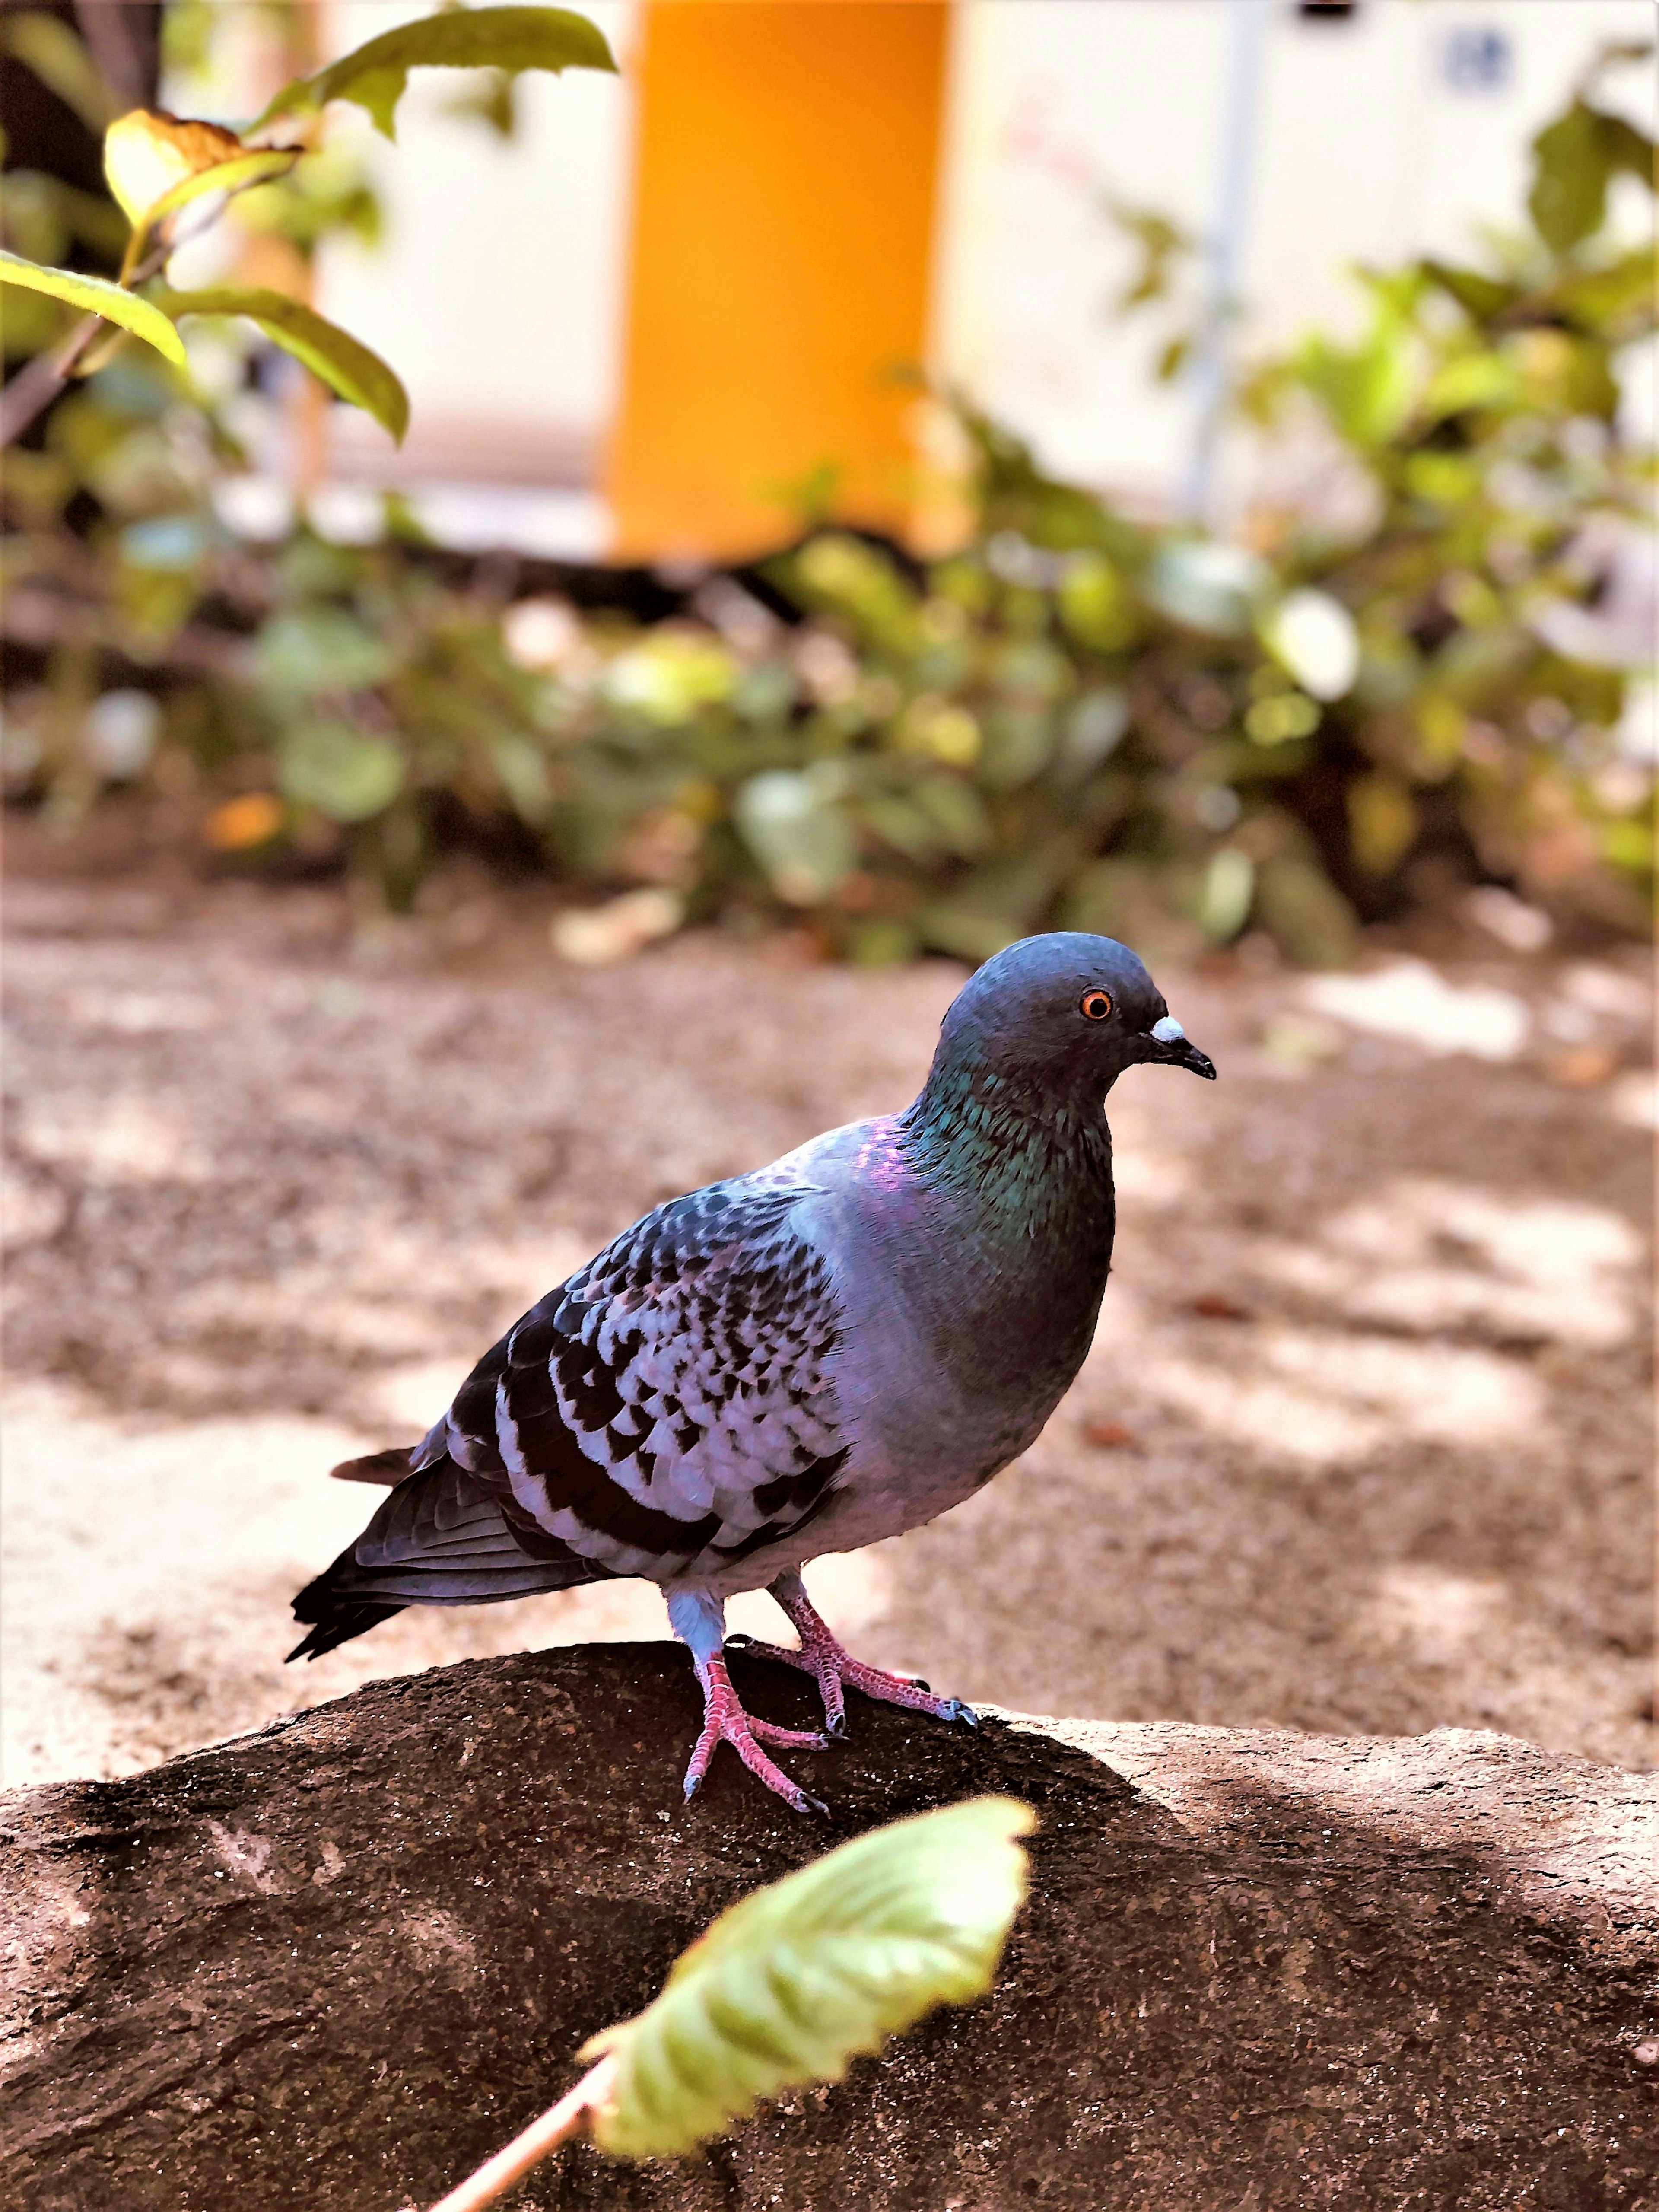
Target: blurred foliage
1076 719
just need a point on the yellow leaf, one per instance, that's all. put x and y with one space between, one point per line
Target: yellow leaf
98 296
147 153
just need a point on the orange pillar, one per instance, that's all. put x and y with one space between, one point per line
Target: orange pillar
783 212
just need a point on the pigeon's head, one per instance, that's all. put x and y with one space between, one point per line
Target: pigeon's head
1065 1014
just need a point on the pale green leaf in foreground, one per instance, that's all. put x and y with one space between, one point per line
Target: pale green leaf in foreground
511 39
792 1982
100 297
344 363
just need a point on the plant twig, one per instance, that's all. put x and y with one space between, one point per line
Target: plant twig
115 53
39 382
556 2126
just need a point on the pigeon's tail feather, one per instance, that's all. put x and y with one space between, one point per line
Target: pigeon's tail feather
388 1467
443 1537
339 1624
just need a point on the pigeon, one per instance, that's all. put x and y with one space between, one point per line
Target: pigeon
803 1359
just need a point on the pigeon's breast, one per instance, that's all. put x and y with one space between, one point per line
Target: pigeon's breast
959 1342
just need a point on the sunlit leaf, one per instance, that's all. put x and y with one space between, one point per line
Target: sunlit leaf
510 39
342 363
148 152
46 44
259 166
310 649
791 821
1225 897
796 1980
1207 586
669 674
345 772
98 297
1095 603
1607 295
1312 635
1093 729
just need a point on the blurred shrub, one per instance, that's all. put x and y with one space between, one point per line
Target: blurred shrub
1077 718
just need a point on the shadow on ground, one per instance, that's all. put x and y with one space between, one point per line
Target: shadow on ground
1362 1446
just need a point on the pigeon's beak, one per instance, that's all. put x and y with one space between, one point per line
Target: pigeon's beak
1172 1048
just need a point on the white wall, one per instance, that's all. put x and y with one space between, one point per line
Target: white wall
1366 152
498 292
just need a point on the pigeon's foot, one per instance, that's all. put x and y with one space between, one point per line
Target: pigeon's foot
725 1721
833 1668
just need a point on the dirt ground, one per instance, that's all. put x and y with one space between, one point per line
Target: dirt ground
1363 1444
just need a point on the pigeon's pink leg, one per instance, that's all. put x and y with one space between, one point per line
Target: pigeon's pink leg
834 1669
724 1720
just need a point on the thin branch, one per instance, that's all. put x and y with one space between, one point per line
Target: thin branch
108 34
557 2125
39 382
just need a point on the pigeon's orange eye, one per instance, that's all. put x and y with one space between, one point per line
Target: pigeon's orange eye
1095 1005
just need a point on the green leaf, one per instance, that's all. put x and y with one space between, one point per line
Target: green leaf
510 39
319 648
1482 298
257 166
344 772
60 60
794 1982
98 297
790 821
1629 148
1572 160
344 363
147 153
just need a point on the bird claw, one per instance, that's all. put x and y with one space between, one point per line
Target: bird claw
836 1671
725 1721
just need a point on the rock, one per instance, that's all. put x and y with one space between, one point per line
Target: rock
334 1965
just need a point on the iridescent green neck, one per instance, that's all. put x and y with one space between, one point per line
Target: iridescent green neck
1029 1159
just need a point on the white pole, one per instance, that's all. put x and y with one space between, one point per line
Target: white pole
1208 377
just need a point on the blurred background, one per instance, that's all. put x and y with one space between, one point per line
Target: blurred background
881 476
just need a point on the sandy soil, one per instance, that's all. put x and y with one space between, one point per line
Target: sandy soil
1363 1445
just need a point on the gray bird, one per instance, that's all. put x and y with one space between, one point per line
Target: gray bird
831 1350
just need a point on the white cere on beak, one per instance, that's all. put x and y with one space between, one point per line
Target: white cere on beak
1167 1029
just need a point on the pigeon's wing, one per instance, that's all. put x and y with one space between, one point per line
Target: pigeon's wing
669 1410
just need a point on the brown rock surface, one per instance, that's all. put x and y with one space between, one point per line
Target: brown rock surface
335 1964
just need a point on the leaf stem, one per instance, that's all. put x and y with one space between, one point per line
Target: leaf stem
556 2126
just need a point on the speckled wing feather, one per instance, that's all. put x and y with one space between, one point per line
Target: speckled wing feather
668 1410
665 1412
